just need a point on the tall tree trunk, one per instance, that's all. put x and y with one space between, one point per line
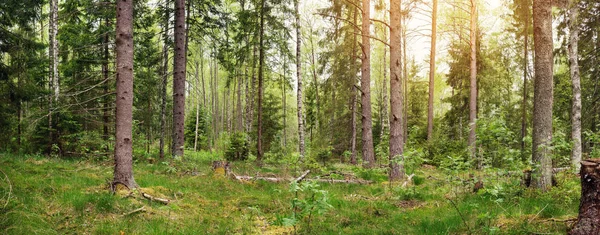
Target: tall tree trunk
365 83
432 71
105 108
385 121
396 102
354 100
123 173
53 80
179 74
197 111
240 117
473 86
405 78
574 68
261 62
315 80
543 94
163 87
524 105
202 77
300 100
284 107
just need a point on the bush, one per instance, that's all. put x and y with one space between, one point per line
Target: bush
238 147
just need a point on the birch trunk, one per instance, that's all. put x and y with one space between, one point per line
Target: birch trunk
574 69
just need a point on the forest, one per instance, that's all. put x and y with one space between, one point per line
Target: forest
299 117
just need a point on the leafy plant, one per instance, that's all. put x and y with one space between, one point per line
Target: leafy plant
309 200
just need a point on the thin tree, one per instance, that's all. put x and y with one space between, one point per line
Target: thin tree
179 73
396 99
365 83
574 69
53 52
123 173
261 61
543 94
354 93
299 80
525 77
432 71
473 85
163 86
197 109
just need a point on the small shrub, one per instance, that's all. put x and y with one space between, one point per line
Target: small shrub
238 147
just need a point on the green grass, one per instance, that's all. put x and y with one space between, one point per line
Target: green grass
54 196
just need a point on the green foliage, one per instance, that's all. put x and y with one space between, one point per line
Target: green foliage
308 201
204 129
238 148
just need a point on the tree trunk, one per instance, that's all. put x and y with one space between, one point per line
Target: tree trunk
240 117
404 85
432 71
365 83
574 68
261 61
385 121
396 101
179 74
473 87
53 80
525 72
300 100
105 108
543 94
588 221
354 132
123 173
202 77
163 87
354 100
197 113
315 80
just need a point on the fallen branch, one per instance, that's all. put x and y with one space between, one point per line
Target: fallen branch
279 180
141 209
409 179
152 198
302 176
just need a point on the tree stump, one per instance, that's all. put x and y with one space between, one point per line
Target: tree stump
588 221
221 168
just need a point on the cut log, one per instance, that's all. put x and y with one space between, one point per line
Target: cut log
279 180
588 221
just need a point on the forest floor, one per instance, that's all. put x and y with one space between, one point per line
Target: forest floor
56 196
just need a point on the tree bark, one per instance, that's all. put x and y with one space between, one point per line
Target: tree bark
432 71
396 101
385 121
588 221
574 69
123 173
543 94
163 87
53 54
315 80
300 100
354 99
197 113
367 124
179 74
261 62
105 114
525 74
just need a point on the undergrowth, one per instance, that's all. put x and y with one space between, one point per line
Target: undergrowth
54 196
